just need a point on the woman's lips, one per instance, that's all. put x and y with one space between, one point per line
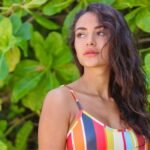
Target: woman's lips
91 53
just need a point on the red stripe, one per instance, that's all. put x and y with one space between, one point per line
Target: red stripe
69 143
100 136
124 142
141 142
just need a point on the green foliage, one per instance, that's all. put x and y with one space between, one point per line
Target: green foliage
35 58
22 136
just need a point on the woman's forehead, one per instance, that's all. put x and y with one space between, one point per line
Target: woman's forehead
88 19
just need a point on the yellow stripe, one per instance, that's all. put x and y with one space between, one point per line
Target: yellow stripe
134 140
109 138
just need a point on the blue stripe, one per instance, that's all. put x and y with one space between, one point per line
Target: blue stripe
89 132
128 141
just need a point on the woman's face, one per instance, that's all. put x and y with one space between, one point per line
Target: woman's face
90 40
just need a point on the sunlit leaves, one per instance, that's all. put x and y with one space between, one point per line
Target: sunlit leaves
13 58
143 20
3 146
56 6
3 67
22 135
7 40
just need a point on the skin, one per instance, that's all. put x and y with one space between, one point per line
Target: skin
59 109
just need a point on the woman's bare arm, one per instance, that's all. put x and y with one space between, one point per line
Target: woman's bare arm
54 120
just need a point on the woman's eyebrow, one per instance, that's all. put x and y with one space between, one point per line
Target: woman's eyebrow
84 28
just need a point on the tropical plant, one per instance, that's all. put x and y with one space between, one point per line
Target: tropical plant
35 58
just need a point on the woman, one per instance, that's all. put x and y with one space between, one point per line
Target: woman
105 107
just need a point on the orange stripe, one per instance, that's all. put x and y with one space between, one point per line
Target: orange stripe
78 136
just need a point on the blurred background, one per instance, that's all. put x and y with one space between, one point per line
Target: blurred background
35 58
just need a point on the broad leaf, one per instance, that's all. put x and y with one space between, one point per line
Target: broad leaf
3 67
35 3
13 58
7 40
27 67
3 146
16 22
147 60
34 99
123 4
108 2
64 58
56 6
3 125
68 21
46 23
54 44
143 20
148 98
25 85
131 18
67 73
38 44
54 82
23 45
25 31
10 2
23 135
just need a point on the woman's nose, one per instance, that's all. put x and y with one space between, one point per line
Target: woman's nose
91 40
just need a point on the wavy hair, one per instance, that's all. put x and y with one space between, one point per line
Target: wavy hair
127 84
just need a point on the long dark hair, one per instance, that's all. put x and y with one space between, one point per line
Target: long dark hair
127 81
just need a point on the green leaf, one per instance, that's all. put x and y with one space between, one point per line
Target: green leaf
25 31
147 60
131 18
34 99
54 44
109 2
23 45
10 2
35 3
54 82
25 85
37 42
7 40
67 72
56 6
46 23
3 125
16 22
51 45
147 70
23 135
27 67
143 20
123 4
68 21
3 67
13 58
3 146
64 58
15 110
148 98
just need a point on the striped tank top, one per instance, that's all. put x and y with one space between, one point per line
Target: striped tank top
88 133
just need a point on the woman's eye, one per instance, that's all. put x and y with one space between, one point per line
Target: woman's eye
101 33
80 35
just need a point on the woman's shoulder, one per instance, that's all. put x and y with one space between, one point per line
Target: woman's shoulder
57 96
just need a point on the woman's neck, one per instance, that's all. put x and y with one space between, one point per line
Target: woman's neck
96 81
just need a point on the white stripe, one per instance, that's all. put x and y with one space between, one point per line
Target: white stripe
73 145
118 140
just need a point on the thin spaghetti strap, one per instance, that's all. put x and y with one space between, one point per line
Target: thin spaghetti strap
74 96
